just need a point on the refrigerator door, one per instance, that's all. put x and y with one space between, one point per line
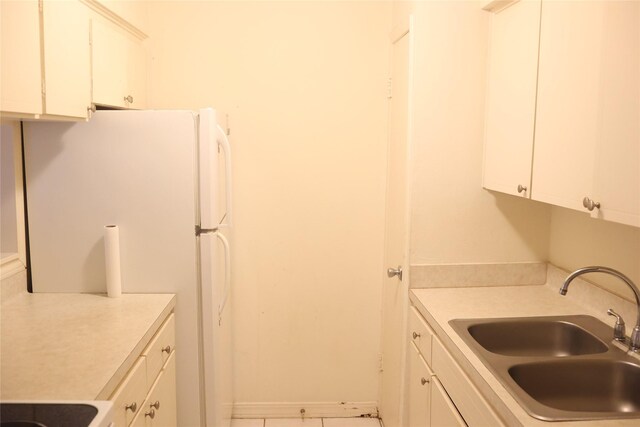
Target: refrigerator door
135 169
216 329
209 170
215 168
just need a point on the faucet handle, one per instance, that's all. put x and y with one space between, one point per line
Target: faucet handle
618 328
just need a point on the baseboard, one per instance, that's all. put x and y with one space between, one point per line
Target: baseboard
310 409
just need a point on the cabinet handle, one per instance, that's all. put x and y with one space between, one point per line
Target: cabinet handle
424 381
155 405
521 188
395 272
590 204
166 349
151 414
416 335
132 407
129 99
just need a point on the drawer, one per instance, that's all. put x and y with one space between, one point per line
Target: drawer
474 408
421 334
159 408
160 347
128 397
420 378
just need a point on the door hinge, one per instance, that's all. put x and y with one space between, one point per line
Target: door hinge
380 362
40 6
44 88
389 88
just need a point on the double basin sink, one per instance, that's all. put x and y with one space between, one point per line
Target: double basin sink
558 368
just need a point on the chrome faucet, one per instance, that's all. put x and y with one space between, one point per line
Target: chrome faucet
634 344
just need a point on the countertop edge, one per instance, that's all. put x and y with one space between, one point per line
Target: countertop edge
124 368
501 409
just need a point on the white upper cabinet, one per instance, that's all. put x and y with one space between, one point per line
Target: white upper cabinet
119 66
46 68
511 99
586 120
67 60
46 57
20 71
587 145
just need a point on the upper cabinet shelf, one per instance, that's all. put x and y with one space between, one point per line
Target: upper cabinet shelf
574 133
52 69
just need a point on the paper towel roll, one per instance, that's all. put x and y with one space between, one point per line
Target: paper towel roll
112 260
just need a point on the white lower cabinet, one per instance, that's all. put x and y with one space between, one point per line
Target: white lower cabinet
419 390
159 409
147 395
443 411
439 392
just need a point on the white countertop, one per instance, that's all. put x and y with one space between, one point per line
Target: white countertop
74 346
439 305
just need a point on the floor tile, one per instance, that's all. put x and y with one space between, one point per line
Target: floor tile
293 422
351 422
237 422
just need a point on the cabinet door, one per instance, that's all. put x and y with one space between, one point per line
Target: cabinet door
128 398
109 53
419 390
67 61
617 175
587 116
137 75
119 66
20 71
443 411
511 99
162 397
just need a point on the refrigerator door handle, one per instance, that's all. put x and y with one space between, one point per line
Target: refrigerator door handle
223 141
227 275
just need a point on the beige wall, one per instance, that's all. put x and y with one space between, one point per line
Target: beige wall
577 241
454 220
304 84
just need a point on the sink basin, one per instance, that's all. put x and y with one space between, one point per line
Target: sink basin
56 414
558 368
582 385
534 337
20 424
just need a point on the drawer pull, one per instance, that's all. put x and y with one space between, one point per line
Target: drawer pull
424 381
166 349
129 99
155 405
151 414
133 407
590 204
416 335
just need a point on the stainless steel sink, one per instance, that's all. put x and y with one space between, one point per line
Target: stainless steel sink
535 337
56 413
558 368
582 385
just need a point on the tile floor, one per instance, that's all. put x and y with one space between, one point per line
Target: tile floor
307 422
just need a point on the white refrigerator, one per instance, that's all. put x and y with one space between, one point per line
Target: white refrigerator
164 178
